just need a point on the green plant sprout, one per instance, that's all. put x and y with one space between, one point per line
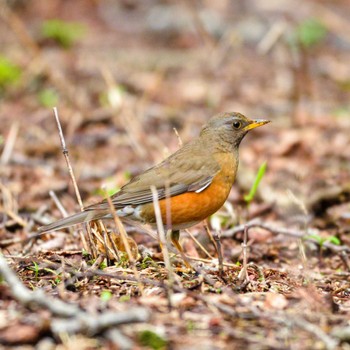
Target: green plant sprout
106 295
152 340
108 189
124 298
309 33
9 73
48 98
57 279
35 269
66 34
250 196
322 240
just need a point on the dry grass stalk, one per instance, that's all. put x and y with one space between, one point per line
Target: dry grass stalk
179 140
219 250
105 239
243 275
210 235
9 205
162 237
108 241
125 241
10 143
87 247
199 244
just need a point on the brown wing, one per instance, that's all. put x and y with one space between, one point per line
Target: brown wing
177 173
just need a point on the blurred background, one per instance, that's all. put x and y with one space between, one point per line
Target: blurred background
124 74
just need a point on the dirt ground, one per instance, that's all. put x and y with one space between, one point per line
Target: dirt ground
132 80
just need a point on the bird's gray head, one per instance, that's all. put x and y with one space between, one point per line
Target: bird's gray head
229 128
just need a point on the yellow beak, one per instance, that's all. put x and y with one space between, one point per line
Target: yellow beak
255 123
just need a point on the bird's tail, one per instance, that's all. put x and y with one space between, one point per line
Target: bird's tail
75 219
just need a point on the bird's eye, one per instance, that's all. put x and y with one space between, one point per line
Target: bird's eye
237 124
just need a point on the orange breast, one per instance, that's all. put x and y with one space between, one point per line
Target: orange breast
194 207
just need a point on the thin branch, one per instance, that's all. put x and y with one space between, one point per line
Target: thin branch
75 185
9 144
58 204
162 237
179 140
219 251
125 241
199 244
243 275
65 153
94 324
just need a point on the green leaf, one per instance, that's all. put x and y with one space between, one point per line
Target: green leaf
35 269
316 238
109 191
85 253
190 325
124 298
334 240
48 98
9 72
250 196
64 33
152 340
106 295
103 265
310 32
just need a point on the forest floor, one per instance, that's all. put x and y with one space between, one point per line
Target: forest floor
139 71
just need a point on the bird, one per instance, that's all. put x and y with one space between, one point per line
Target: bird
191 184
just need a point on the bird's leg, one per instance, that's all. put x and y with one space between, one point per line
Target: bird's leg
175 236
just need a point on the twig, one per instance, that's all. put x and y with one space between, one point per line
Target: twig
110 239
104 235
98 261
178 137
119 339
271 37
75 185
199 244
58 204
345 260
125 241
94 324
210 235
163 244
243 275
65 154
9 205
61 209
9 144
162 237
219 251
105 239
